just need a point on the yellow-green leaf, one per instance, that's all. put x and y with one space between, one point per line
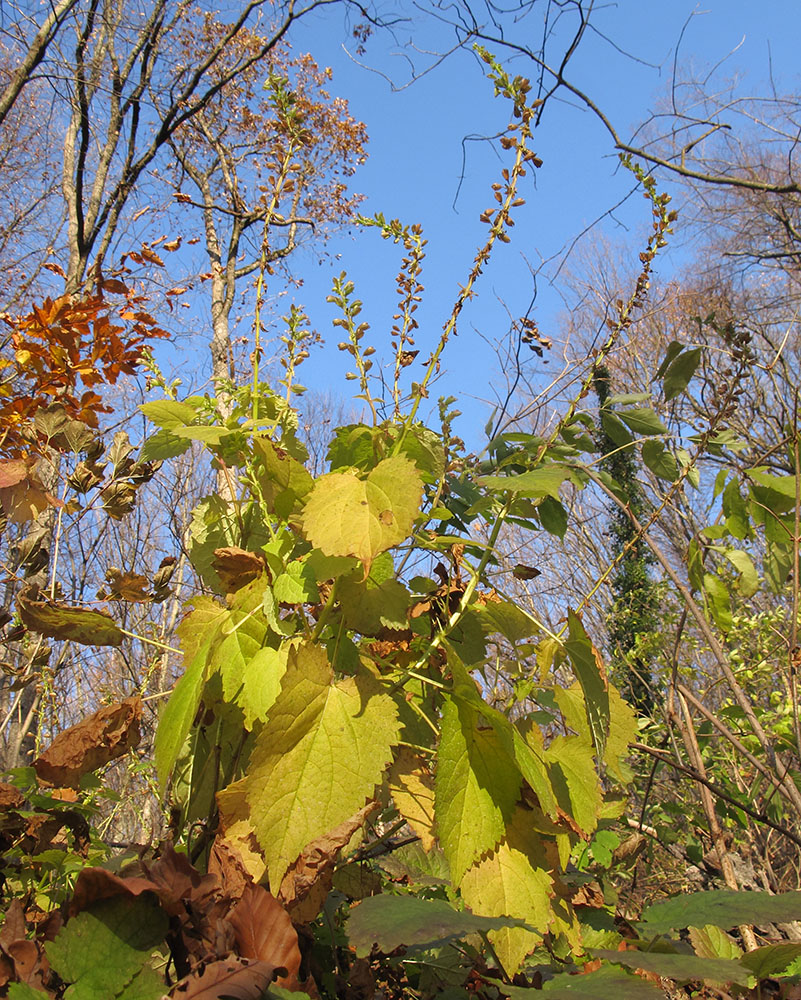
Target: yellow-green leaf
412 788
318 757
348 516
575 780
513 881
477 786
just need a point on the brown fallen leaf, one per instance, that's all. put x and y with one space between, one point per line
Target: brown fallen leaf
106 735
178 882
10 797
308 881
94 884
264 931
232 978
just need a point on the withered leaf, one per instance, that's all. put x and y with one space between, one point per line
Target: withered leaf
94 884
63 621
308 881
10 798
264 931
177 881
106 735
523 572
22 496
127 586
232 978
237 567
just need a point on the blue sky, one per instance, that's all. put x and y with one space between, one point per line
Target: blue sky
425 136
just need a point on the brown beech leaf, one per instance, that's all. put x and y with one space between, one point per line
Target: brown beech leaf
127 586
236 567
14 927
232 978
94 884
62 621
108 734
22 496
10 798
227 863
308 881
264 931
178 882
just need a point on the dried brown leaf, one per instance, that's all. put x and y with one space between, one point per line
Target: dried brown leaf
106 735
178 882
236 567
62 621
264 931
308 881
10 797
231 978
94 884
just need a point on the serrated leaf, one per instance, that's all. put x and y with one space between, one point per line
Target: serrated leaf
367 607
476 786
712 942
391 921
296 585
724 908
623 730
411 785
680 968
169 413
348 516
591 675
679 372
513 880
772 960
543 481
606 983
614 429
198 632
506 618
283 479
575 780
102 949
163 445
317 758
642 420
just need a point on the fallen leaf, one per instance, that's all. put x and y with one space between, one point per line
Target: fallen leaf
232 978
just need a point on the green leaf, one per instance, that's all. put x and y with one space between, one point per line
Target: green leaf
575 780
368 607
680 968
506 618
318 757
748 583
591 674
22 991
513 880
718 601
771 960
725 908
606 983
642 420
623 730
296 585
198 632
348 516
283 480
712 942
391 921
163 445
679 372
735 510
659 460
543 481
553 517
102 951
675 347
476 786
169 414
207 433
615 429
